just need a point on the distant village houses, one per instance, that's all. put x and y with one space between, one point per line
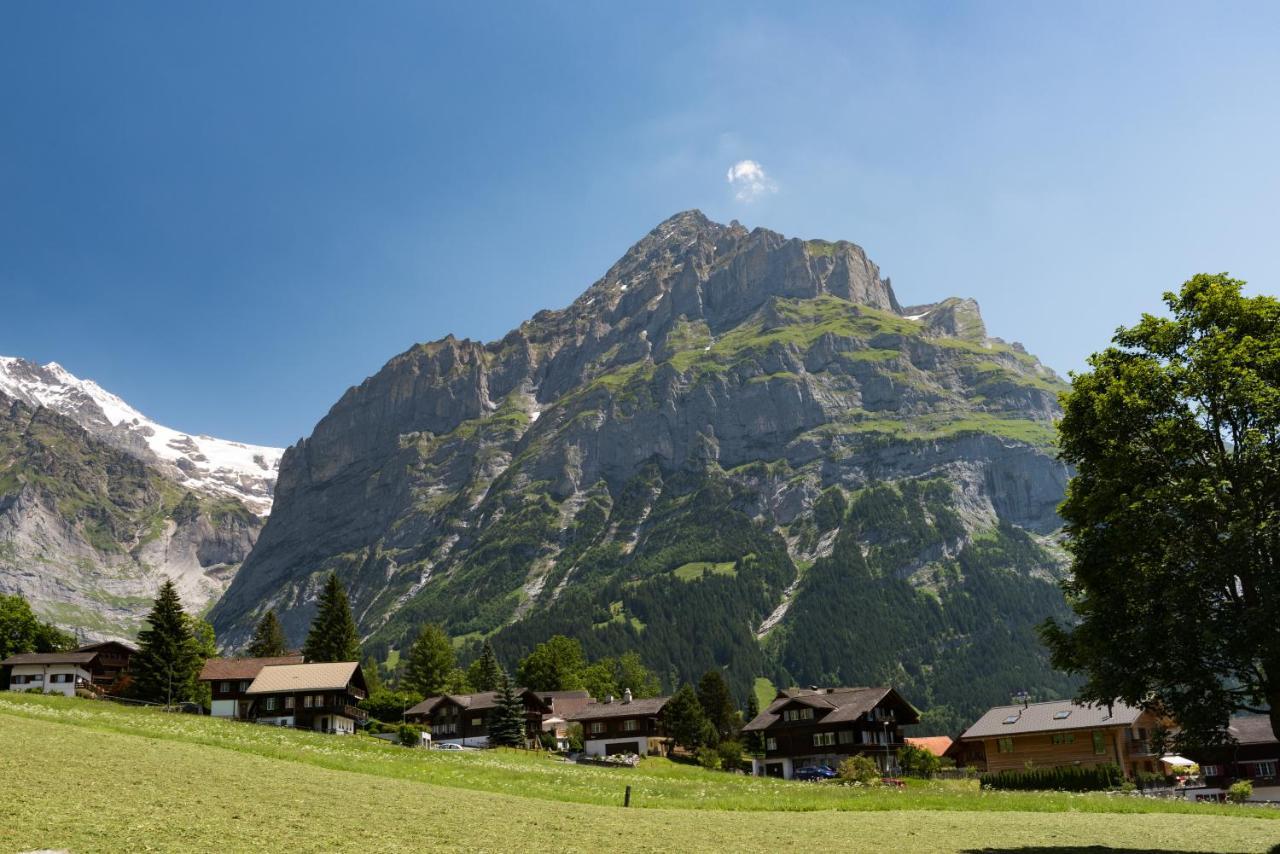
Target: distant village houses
95 667
611 727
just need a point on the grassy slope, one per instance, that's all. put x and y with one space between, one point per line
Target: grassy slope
146 781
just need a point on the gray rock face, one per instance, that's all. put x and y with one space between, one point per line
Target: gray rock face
785 366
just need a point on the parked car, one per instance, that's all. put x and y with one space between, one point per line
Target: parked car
813 773
451 747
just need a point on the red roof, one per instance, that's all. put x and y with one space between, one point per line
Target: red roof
935 744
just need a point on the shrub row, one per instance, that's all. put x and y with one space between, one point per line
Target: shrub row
1071 779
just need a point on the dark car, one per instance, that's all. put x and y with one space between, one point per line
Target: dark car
814 772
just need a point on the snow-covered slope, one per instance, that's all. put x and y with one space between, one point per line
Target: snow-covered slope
201 463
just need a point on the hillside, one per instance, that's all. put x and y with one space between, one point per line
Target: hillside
88 531
873 486
145 780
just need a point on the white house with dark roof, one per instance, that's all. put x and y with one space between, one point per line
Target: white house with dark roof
612 726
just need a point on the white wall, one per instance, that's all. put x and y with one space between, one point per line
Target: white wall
757 767
474 741
44 671
223 709
596 746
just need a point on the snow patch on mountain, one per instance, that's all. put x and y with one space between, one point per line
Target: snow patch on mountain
202 463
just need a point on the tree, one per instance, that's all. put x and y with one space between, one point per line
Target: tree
506 726
268 637
372 671
205 644
21 631
917 762
632 673
484 672
168 659
600 679
458 682
431 661
1173 515
388 706
753 741
861 770
717 703
683 719
554 665
333 635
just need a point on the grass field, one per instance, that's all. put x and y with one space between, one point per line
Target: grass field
88 776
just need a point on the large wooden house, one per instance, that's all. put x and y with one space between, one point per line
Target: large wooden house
612 726
805 727
1251 753
321 696
95 667
229 680
1061 733
463 719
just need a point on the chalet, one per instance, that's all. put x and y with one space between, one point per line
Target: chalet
823 726
563 705
321 696
463 719
610 727
1062 733
95 667
229 680
1252 754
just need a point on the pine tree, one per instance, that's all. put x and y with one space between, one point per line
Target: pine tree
372 675
484 672
683 719
268 637
752 740
717 703
431 661
506 726
168 661
333 634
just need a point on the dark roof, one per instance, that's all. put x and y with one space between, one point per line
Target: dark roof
242 668
49 658
1052 716
844 704
89 647
597 711
1252 729
477 702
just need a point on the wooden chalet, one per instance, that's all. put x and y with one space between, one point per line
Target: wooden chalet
1251 753
463 719
1061 733
96 667
229 680
814 726
611 726
321 696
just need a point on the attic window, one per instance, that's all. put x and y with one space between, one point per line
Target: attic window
1012 719
1062 716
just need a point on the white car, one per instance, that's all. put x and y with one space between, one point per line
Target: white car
452 747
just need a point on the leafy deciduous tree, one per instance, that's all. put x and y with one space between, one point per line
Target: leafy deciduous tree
21 631
431 661
554 665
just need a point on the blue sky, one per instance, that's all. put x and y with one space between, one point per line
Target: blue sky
227 214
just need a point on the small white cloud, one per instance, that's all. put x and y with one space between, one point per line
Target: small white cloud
749 181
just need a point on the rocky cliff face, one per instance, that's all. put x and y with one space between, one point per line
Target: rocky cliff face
727 419
88 531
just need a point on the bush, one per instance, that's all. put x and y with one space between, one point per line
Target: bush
548 740
730 753
708 757
575 738
917 762
859 769
409 735
1240 791
1073 778
1152 780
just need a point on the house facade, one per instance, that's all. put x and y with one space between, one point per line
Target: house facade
322 696
94 667
1252 754
1061 733
463 719
627 725
814 726
562 706
229 680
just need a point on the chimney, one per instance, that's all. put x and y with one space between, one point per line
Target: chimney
626 695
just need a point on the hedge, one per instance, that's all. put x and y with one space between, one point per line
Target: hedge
1072 778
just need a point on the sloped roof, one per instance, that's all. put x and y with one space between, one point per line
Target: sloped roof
93 647
597 710
242 668
840 704
938 745
479 701
50 658
1039 717
319 676
1252 729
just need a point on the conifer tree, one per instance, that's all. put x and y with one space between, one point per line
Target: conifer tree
485 672
268 637
431 661
506 727
333 635
683 719
753 740
168 661
717 703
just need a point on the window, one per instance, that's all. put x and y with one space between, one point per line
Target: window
1099 742
1211 770
1062 716
770 744
824 739
1004 745
846 736
225 688
1263 769
269 704
630 725
1012 719
288 701
477 721
306 701
244 686
1064 738
596 727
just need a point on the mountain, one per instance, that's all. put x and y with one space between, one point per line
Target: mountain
734 450
98 504
200 463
